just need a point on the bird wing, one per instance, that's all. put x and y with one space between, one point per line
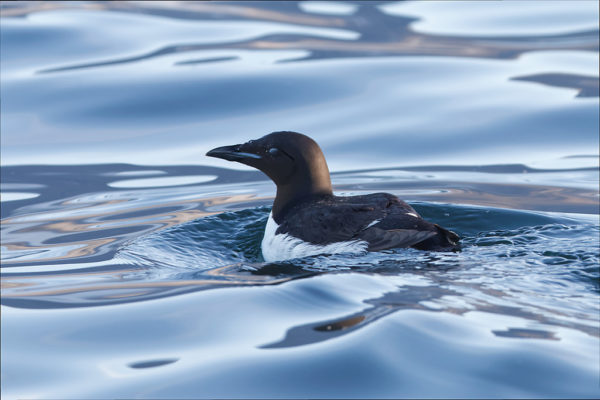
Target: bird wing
336 222
359 218
381 239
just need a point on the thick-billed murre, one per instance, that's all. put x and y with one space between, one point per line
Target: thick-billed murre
307 219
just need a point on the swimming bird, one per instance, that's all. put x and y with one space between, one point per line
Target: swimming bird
308 219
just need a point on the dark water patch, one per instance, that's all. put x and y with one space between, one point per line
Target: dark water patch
152 363
594 156
526 334
206 60
586 85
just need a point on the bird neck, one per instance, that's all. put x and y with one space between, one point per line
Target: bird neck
293 193
309 180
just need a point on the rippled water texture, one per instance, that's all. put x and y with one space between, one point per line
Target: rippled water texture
131 263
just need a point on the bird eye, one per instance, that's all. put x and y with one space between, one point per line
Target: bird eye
274 151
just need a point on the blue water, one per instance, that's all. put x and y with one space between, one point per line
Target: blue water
130 261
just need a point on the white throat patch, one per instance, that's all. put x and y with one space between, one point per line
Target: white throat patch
279 247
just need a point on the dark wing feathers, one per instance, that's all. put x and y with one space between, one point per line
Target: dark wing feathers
336 222
380 239
340 219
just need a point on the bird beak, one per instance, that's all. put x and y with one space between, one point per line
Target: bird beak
232 153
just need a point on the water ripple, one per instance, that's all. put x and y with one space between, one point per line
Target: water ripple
482 115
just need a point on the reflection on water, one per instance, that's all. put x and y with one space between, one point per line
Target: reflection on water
587 85
483 115
380 34
425 298
112 245
240 70
152 363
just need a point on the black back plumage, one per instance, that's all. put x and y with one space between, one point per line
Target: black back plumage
380 219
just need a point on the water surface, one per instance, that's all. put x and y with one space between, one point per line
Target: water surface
131 264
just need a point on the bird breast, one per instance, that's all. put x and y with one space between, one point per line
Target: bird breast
282 246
